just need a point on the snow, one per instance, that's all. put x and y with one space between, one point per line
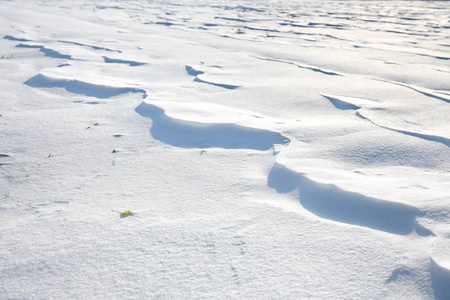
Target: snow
267 149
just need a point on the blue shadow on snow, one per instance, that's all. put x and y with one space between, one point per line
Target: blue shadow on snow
187 134
440 281
330 202
79 87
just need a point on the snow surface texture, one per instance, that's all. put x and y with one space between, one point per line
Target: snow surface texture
267 149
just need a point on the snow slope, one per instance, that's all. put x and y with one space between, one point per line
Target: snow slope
267 149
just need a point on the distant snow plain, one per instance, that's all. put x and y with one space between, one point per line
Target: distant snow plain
267 149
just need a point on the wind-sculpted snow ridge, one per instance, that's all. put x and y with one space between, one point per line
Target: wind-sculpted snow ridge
168 24
330 202
424 91
221 85
47 52
193 72
12 38
345 104
440 278
131 63
190 134
403 50
429 137
80 87
301 66
89 46
440 269
349 103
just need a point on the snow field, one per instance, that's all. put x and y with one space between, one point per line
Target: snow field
266 150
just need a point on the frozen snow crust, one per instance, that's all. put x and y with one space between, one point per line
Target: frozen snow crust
266 149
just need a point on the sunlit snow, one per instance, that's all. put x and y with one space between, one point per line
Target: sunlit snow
224 149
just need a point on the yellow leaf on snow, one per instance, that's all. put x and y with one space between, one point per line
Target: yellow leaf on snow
126 213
